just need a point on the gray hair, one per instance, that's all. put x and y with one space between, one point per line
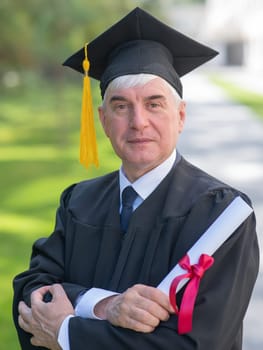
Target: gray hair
131 80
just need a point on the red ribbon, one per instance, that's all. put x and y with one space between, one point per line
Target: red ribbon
194 273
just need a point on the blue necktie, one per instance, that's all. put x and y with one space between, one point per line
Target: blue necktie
128 197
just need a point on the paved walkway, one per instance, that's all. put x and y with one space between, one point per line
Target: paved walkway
226 140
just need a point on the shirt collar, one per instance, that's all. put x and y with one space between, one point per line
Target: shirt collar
147 183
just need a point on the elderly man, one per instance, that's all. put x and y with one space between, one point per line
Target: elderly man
92 283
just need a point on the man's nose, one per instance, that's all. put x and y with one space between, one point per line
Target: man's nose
138 118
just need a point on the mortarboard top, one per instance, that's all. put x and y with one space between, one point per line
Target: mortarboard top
139 43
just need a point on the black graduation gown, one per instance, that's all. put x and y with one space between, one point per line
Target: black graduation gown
87 249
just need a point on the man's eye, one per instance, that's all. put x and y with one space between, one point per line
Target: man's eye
154 105
120 107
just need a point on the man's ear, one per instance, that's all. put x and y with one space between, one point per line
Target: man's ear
182 115
102 117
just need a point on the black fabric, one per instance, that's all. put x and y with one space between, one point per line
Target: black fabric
141 56
88 237
128 197
140 43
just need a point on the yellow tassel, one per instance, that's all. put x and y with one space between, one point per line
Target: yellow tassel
88 144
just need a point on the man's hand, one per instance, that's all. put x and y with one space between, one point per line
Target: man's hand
140 308
43 320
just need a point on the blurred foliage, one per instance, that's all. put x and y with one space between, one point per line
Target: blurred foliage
42 33
187 2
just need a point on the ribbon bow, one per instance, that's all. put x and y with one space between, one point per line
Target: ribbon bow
194 273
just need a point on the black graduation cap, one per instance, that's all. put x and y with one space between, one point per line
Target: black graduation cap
139 43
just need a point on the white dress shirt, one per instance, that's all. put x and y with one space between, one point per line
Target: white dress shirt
144 186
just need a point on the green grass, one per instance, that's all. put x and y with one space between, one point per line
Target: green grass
241 95
39 140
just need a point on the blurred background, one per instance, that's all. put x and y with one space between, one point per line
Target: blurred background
40 109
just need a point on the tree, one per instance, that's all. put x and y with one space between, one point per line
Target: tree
36 34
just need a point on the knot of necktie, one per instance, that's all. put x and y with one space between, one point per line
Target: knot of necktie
128 197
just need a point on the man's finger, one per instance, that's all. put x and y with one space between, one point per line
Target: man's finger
24 311
156 296
153 309
38 294
24 325
25 317
57 291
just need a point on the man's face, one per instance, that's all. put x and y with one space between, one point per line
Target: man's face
143 124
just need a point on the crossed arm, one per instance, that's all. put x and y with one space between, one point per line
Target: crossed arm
141 308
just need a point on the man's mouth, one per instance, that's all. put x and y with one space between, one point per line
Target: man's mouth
140 140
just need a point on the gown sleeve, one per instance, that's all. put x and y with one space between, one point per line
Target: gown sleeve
46 268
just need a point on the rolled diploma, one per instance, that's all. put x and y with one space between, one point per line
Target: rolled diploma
221 229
